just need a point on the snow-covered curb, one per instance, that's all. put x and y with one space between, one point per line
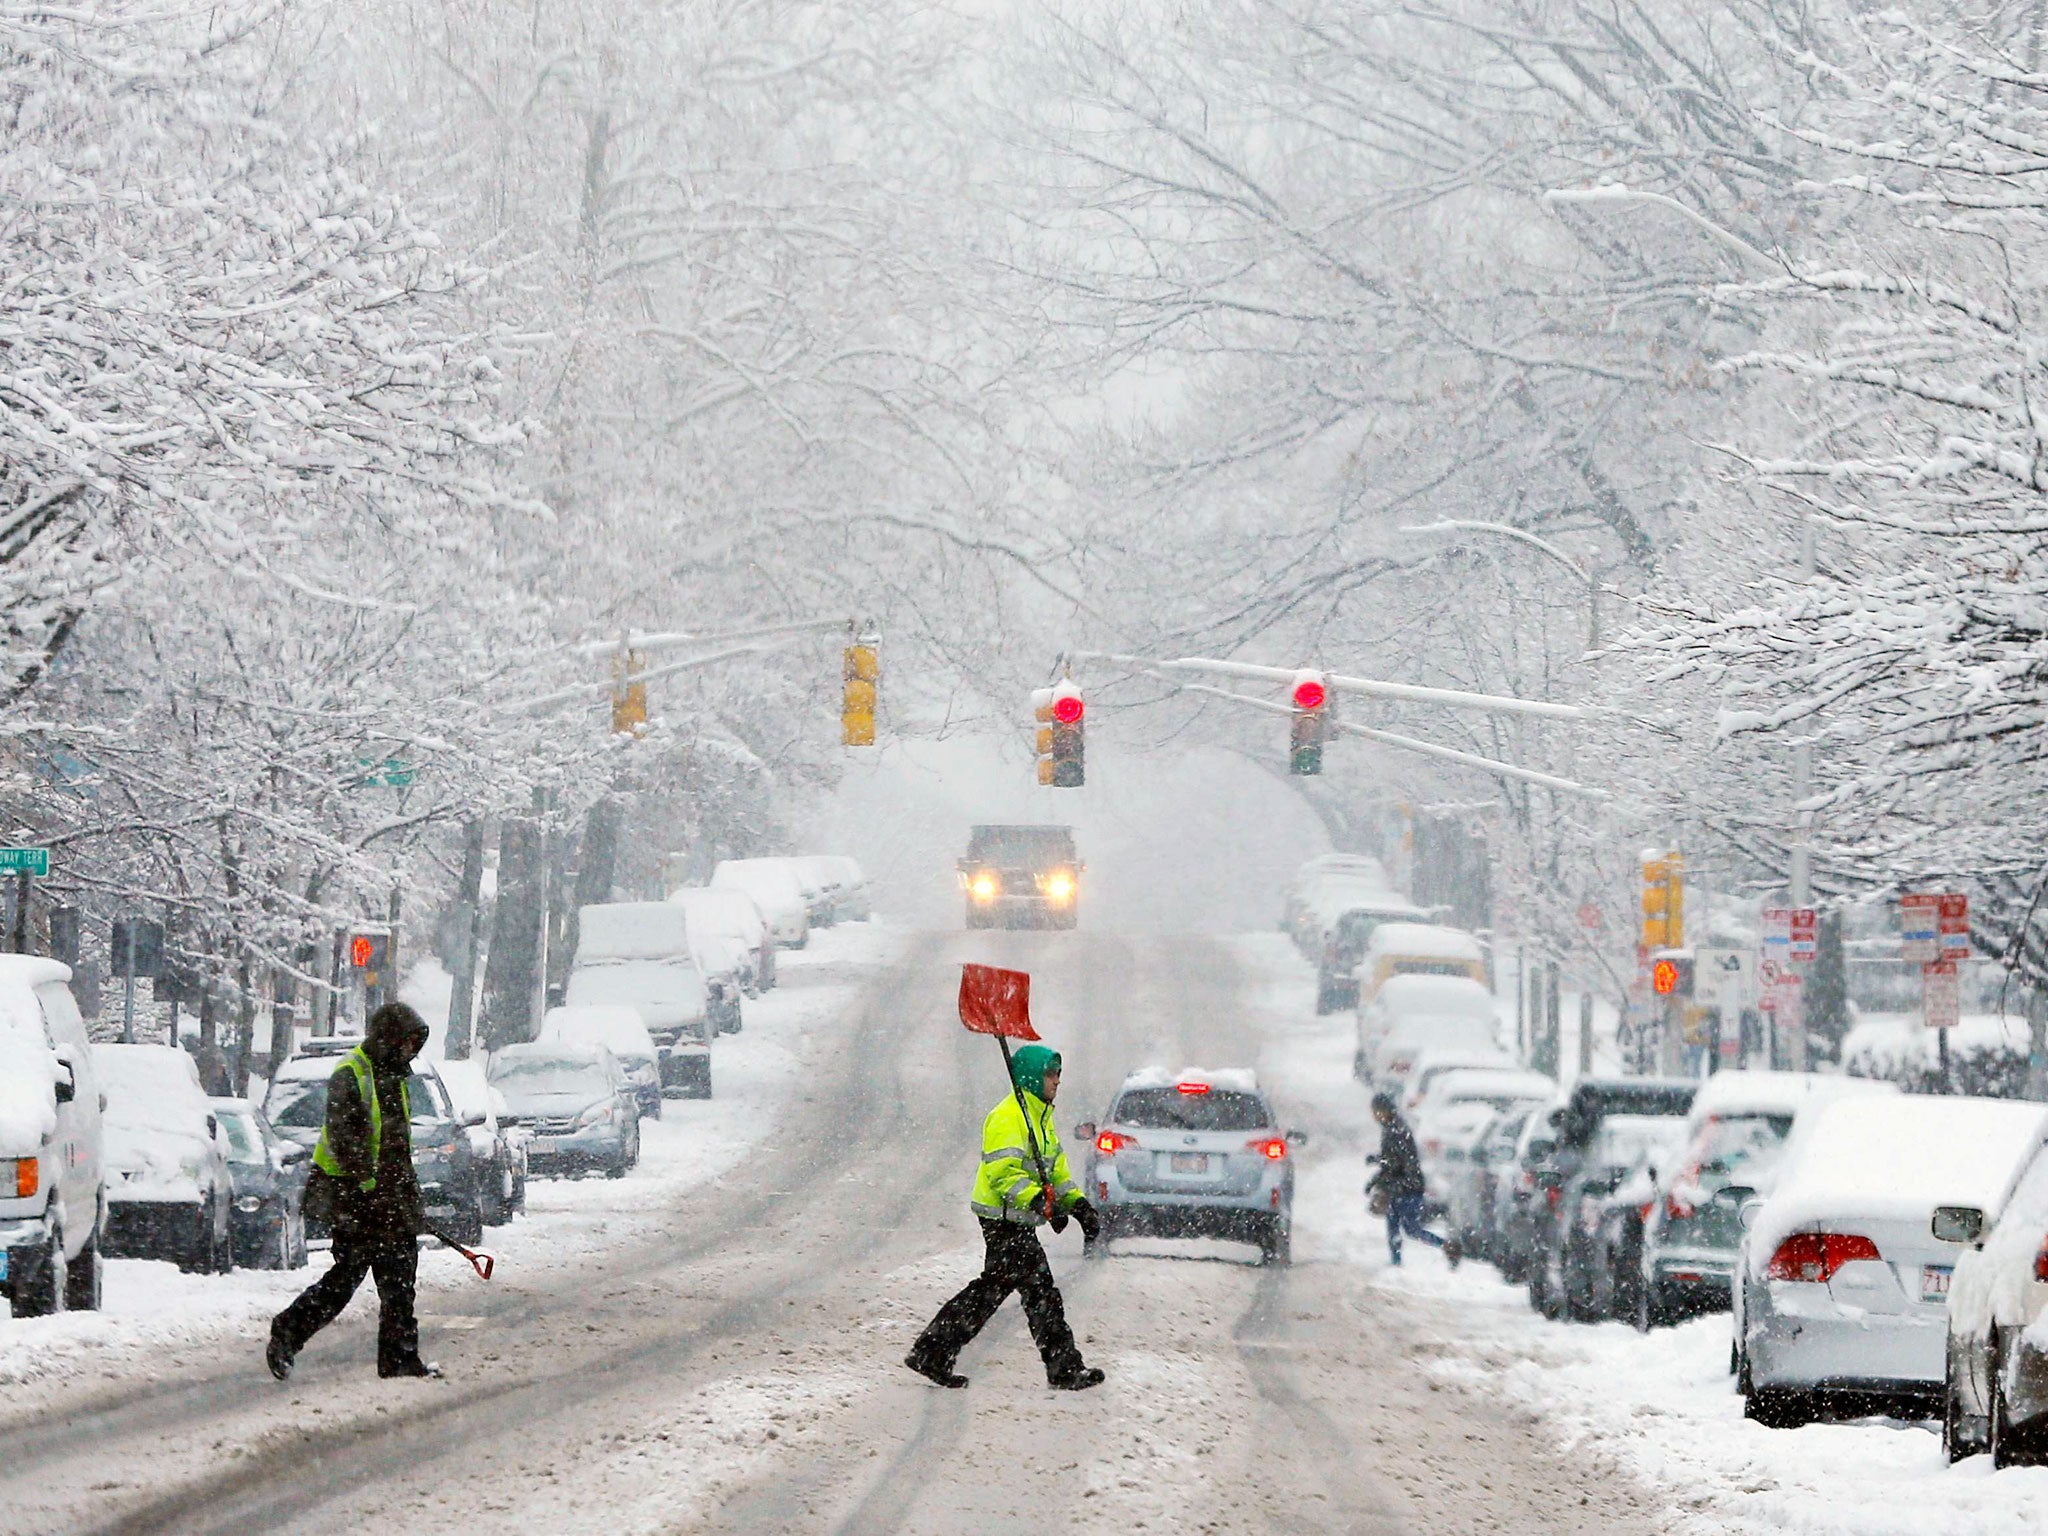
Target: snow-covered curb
150 1308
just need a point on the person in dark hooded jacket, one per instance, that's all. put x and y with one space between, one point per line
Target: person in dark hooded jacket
1397 1183
363 1173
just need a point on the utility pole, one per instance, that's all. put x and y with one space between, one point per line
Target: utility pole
1802 825
468 930
1585 1028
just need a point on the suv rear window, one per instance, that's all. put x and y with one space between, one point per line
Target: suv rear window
1168 1109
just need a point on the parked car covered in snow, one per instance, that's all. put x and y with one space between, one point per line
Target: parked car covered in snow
1344 947
1997 1358
575 1103
1437 1062
719 918
1738 1129
775 889
169 1192
1522 1219
1597 1252
269 1176
1452 1119
1841 1289
1481 1202
1413 1014
636 954
497 1150
52 1199
620 1031
1417 949
848 883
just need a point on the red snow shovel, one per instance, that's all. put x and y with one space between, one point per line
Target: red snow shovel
479 1261
998 1002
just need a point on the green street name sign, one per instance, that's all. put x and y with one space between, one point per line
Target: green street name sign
25 861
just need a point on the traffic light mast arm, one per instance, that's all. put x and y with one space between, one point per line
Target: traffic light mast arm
596 692
1410 744
1490 703
678 640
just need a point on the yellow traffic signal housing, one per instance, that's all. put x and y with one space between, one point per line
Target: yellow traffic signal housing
863 674
1663 900
629 695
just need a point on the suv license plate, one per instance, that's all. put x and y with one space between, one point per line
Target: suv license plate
1934 1282
1190 1162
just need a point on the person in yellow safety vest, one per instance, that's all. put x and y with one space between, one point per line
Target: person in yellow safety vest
363 1183
1022 1180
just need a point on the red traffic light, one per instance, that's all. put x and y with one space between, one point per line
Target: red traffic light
1664 977
362 949
1310 693
1067 708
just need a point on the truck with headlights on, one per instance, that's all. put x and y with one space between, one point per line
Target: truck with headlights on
1021 877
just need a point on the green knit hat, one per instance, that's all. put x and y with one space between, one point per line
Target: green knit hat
1029 1064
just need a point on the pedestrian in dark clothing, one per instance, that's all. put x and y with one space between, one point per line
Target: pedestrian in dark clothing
1023 1179
364 1184
1397 1185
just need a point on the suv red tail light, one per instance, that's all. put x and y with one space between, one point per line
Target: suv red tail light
1270 1146
2041 1262
1815 1256
1109 1143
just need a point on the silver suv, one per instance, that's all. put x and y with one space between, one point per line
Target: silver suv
1192 1154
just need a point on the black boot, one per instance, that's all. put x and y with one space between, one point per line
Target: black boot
277 1354
412 1367
1080 1381
933 1373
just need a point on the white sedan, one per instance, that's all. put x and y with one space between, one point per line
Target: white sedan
1997 1397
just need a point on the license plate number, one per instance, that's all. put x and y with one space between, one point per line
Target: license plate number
541 1144
1934 1282
1190 1162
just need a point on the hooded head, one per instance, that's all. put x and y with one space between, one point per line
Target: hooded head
1384 1106
1029 1065
395 1035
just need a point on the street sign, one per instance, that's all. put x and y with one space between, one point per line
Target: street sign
1941 994
1724 978
1952 917
136 946
1919 928
25 861
1778 933
1803 935
1589 914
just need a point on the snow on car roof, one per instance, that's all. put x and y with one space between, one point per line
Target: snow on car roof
1458 996
614 1025
1884 1156
1774 1093
1492 1083
301 1069
631 930
1229 1079
1432 939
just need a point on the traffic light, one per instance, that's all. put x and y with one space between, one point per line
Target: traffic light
1663 899
370 953
629 694
1066 711
863 674
1310 724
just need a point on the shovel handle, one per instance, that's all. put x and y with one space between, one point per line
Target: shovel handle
481 1262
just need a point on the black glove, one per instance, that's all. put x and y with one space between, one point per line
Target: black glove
1091 1222
1058 1220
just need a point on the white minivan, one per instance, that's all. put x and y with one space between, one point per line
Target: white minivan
776 891
52 1195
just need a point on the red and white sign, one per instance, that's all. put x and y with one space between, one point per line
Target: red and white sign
1953 918
1803 927
1589 914
1941 994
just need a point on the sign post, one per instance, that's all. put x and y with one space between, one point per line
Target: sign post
1934 932
25 864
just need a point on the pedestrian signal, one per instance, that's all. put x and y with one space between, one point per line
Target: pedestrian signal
1672 977
370 953
1310 727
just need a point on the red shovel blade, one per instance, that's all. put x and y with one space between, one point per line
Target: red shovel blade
996 1002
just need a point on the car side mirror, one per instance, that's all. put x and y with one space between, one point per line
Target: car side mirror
1746 1213
1549 1178
293 1152
1297 1138
1736 1195
1084 1130
67 1085
474 1117
212 1125
1957 1224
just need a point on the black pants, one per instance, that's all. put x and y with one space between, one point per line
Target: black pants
395 1261
1017 1263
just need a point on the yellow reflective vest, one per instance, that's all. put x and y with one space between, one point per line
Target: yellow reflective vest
357 1064
1006 1187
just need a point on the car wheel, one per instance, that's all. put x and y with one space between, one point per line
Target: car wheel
1778 1408
42 1291
83 1278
